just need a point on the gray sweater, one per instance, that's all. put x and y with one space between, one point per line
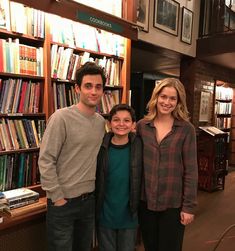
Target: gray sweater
68 153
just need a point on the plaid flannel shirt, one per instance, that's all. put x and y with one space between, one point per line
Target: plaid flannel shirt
170 168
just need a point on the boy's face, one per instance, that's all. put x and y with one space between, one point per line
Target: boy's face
121 123
91 90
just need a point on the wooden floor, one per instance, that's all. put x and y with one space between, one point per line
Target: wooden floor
216 212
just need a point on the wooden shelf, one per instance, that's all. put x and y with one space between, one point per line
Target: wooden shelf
220 115
93 53
25 150
212 161
26 39
27 213
224 100
20 115
23 76
24 214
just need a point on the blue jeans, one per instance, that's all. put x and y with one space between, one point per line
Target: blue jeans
70 227
116 239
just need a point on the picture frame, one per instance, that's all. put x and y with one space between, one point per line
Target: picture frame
4 14
204 106
142 15
187 25
166 16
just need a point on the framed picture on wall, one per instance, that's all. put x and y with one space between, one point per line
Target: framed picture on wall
204 106
187 25
4 15
166 16
142 14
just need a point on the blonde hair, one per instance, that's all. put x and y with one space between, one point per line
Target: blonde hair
181 110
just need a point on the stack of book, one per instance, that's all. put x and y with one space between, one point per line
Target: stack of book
3 206
3 201
19 197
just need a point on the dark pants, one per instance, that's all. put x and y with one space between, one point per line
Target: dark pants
116 239
161 231
70 227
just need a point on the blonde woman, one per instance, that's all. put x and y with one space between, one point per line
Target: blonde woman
170 175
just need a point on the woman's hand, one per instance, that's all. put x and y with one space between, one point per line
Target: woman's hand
186 218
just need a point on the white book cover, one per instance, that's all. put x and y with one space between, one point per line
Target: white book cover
19 193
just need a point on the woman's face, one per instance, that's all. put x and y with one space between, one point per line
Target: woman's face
167 100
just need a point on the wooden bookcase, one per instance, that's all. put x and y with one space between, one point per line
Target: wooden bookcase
223 106
232 135
212 159
65 9
224 115
22 113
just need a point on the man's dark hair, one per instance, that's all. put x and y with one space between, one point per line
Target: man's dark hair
89 68
122 107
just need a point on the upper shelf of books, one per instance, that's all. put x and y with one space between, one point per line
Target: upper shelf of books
23 20
22 33
77 35
224 93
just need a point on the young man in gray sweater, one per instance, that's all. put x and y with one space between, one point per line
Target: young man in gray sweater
67 164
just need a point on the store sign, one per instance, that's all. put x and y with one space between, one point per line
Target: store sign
98 22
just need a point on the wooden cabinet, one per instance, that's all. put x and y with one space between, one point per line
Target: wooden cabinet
212 158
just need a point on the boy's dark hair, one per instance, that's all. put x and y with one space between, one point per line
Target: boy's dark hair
89 68
122 107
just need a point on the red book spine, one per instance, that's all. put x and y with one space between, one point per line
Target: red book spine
22 97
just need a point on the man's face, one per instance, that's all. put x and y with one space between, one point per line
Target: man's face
91 90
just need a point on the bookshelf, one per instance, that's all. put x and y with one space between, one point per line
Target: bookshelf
70 50
223 106
118 60
22 116
22 120
212 160
224 114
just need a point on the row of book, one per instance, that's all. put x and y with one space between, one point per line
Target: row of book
220 147
64 63
211 182
109 99
224 93
223 122
18 134
70 33
22 19
223 108
19 96
20 58
64 95
204 166
18 170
